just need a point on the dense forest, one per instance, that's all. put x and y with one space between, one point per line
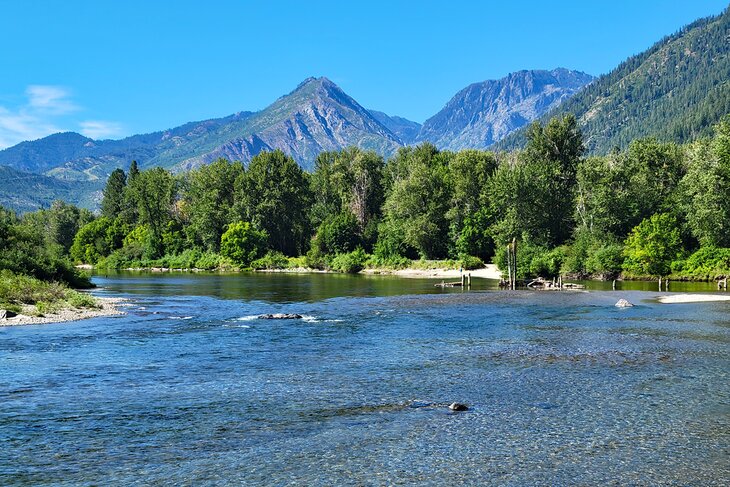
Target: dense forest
655 209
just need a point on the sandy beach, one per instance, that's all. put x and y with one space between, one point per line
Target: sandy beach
489 271
109 307
693 298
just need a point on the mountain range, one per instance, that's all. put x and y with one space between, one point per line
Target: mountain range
316 116
675 90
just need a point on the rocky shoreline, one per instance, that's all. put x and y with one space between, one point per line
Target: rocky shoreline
107 307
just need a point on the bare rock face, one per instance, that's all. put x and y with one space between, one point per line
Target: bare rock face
457 406
484 113
622 303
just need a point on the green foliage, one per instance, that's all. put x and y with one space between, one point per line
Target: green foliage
652 246
470 262
213 261
154 192
350 263
97 239
24 249
347 181
272 260
707 263
17 290
113 204
208 202
243 243
274 195
339 233
418 200
705 190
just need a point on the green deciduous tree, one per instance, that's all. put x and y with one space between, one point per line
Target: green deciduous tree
274 195
468 216
243 243
705 196
338 233
652 246
419 198
208 202
154 192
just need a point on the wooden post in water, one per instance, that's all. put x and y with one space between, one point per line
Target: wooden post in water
666 284
509 267
468 280
462 280
660 283
614 285
514 262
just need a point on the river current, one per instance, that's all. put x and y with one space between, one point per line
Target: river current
190 388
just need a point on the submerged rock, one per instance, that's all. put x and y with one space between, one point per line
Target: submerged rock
457 406
280 316
622 303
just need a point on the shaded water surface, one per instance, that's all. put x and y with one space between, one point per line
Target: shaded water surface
189 388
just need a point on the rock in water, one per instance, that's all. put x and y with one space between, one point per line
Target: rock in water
622 303
457 406
280 316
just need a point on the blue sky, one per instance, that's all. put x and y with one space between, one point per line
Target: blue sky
109 69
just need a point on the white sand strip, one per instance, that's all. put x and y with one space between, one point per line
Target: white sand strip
692 298
489 271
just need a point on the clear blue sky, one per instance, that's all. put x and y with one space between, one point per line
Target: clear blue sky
114 68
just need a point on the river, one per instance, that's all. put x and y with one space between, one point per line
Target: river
189 388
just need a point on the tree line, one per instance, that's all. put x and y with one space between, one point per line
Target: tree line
653 209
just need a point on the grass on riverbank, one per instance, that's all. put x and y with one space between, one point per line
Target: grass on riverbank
25 294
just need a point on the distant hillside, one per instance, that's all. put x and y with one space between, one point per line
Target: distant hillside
676 90
23 191
483 113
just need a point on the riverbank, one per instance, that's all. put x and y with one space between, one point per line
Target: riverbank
27 316
489 271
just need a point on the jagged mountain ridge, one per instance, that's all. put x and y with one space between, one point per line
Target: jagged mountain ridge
315 117
483 113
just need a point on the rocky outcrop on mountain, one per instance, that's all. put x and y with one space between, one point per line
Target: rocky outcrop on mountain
483 113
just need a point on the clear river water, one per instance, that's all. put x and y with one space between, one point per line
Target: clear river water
190 388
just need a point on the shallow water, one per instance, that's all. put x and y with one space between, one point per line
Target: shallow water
189 388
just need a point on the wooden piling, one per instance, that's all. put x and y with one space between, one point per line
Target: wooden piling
462 280
468 280
509 267
514 266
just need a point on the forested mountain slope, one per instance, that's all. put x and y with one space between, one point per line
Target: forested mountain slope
676 90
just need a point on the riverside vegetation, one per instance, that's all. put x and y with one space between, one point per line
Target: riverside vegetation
35 271
654 209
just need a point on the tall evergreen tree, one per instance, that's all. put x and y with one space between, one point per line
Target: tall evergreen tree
113 204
